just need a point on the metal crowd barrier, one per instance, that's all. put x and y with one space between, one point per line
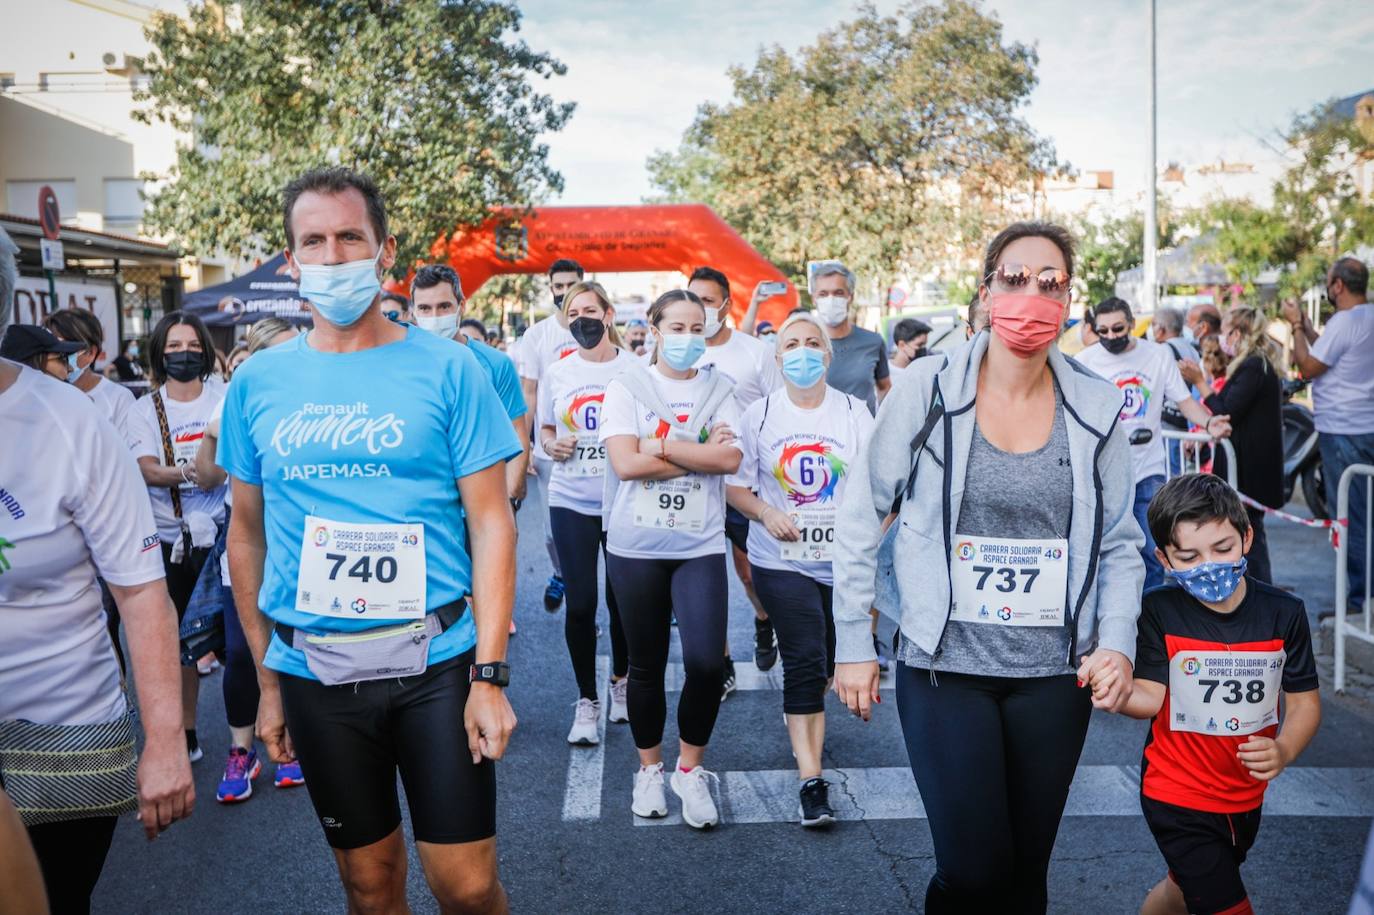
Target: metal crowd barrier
1180 458
1359 630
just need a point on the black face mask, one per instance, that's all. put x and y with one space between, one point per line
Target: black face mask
1115 345
1330 299
587 331
558 300
185 365
920 351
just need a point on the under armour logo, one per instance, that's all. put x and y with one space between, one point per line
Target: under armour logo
1063 462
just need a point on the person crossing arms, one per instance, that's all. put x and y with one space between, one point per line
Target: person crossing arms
572 392
798 444
1216 649
368 465
751 366
669 435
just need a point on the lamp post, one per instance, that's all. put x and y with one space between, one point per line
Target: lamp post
1149 280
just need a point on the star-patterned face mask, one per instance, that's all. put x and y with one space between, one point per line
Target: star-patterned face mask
1211 581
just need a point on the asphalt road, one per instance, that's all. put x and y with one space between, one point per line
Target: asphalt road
268 854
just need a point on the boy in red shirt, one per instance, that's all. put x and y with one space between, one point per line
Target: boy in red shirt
1214 651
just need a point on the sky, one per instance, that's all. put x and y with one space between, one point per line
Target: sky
1230 74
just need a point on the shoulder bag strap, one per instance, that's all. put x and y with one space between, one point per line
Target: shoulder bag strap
168 453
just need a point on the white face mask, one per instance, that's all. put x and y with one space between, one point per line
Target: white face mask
714 322
832 309
443 325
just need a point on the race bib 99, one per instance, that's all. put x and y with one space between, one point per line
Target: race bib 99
678 505
1009 582
362 571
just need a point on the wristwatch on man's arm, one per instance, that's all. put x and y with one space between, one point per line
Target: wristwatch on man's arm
497 673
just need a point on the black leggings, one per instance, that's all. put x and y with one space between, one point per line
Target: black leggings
651 592
71 855
578 538
799 608
993 759
240 684
182 576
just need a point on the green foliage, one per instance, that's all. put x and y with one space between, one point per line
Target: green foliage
1317 213
433 99
892 143
1115 245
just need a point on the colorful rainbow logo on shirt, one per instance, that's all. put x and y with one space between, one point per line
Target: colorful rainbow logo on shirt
663 429
1137 397
809 472
578 413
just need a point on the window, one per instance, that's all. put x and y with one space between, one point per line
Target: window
21 197
123 202
6 81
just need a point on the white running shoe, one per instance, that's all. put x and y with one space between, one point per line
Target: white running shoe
698 807
584 733
650 800
620 709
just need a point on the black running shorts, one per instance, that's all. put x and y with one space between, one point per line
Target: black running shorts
351 740
737 528
1204 852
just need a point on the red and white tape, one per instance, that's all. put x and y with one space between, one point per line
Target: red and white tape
1333 525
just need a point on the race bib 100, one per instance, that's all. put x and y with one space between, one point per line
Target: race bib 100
817 543
1230 693
362 571
1009 582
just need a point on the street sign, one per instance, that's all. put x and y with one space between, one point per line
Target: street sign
52 254
49 217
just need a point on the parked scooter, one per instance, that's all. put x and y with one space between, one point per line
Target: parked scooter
1302 461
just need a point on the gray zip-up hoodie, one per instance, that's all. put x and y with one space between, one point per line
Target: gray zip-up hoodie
905 574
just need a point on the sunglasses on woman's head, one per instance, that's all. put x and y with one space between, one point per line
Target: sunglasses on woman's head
1049 281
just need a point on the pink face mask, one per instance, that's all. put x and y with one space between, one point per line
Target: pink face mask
1025 323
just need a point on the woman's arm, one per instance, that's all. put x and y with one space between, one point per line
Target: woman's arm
155 473
208 473
630 463
699 457
1120 570
775 521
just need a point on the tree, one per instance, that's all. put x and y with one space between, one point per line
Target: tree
1317 212
893 143
432 98
1116 245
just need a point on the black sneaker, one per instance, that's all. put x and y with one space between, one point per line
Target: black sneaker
727 685
765 645
815 803
881 651
553 594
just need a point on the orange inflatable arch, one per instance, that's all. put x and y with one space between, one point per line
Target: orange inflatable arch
678 237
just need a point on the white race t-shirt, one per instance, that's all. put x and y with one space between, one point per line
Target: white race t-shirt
186 421
570 400
749 363
115 401
798 461
72 506
1148 377
623 414
542 345
1343 395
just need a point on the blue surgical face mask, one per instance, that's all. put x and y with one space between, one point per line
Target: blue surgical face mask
341 293
681 351
1189 335
1212 582
74 371
803 366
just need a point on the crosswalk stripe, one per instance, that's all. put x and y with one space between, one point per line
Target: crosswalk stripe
889 793
582 796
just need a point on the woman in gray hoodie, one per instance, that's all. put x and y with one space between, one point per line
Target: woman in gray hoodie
1012 566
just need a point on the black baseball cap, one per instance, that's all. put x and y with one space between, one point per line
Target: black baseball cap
25 340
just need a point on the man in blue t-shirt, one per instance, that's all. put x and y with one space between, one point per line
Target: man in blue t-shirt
436 295
364 455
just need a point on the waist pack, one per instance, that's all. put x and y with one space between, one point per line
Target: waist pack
59 772
384 653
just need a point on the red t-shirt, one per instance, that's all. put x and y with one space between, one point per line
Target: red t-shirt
1223 673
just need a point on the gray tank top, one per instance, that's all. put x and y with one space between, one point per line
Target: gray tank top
1011 496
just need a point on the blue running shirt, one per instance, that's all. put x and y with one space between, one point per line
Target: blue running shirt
501 370
379 436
